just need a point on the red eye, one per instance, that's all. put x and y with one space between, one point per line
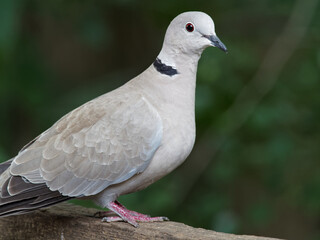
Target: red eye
189 27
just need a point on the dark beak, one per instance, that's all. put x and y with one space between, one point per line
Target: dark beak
215 41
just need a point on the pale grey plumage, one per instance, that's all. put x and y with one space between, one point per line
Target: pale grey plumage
83 159
120 142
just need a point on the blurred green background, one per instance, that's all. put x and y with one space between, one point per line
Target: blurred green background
255 168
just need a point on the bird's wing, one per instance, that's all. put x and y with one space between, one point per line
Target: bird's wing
104 142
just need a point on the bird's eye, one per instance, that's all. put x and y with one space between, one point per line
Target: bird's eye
189 27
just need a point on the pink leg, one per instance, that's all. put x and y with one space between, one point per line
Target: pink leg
132 212
110 213
129 216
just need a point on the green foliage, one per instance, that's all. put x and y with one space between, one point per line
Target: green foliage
261 173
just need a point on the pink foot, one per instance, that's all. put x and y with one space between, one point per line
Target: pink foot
127 215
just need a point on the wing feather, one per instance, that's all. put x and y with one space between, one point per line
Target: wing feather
103 142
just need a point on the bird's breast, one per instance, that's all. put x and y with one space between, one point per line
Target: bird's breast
177 142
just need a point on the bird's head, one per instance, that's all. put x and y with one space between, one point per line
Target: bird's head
192 32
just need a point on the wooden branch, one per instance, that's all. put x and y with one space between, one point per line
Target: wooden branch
67 221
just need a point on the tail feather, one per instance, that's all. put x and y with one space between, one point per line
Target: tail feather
18 195
4 166
27 205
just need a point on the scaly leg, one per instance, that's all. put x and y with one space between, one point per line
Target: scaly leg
128 216
108 213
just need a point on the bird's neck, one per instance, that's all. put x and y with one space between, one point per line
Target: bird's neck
173 61
170 79
169 85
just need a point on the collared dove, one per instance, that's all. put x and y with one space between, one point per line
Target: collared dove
120 142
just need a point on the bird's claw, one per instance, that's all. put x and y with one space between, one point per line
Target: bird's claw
165 218
126 215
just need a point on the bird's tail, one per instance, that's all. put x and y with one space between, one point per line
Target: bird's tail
18 195
4 166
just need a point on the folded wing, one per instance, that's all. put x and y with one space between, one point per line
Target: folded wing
104 142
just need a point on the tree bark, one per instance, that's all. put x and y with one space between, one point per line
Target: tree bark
67 221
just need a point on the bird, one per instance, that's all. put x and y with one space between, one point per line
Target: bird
120 142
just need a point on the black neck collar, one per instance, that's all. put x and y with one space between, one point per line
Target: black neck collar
164 69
